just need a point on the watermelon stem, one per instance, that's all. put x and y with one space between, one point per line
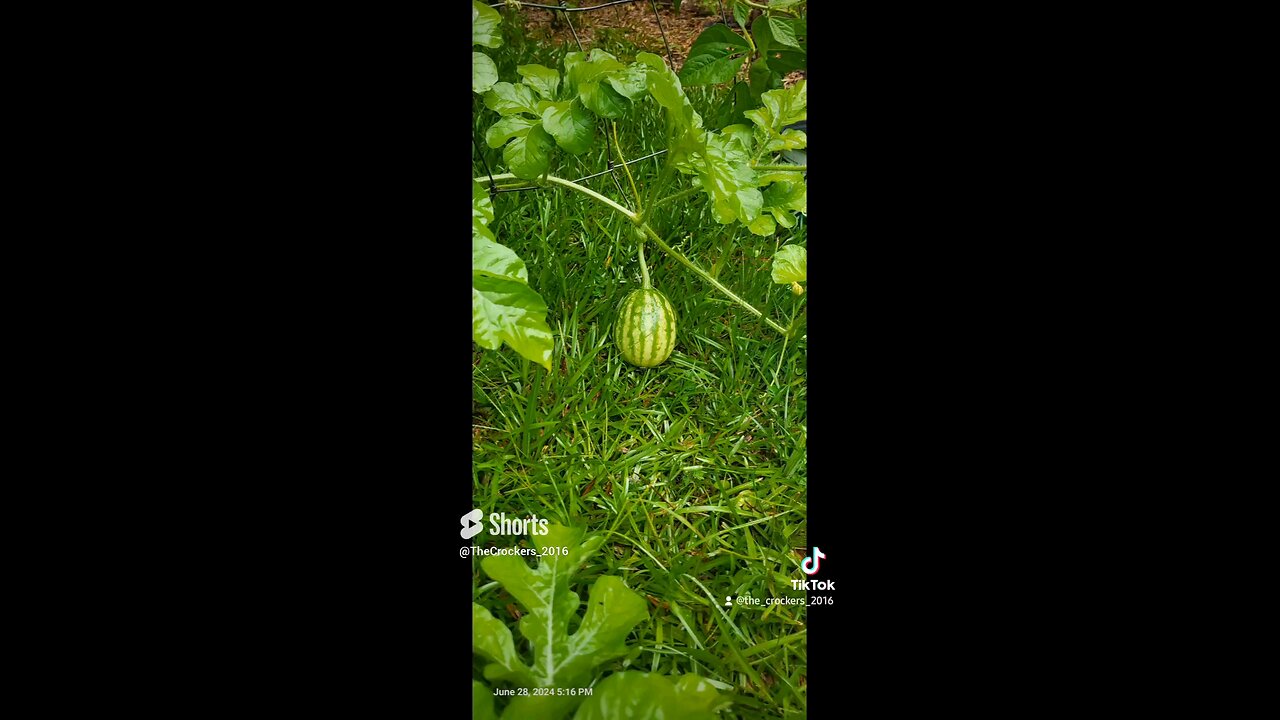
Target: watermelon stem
795 168
714 283
644 227
644 269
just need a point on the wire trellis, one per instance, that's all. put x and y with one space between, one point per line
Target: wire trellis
564 10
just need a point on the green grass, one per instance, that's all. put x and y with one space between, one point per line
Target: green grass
694 471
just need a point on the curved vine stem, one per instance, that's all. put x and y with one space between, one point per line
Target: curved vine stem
644 227
712 281
644 269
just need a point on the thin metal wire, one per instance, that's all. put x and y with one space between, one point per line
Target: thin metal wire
480 152
658 17
629 162
612 168
565 15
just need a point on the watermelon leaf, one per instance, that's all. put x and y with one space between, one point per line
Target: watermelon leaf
503 306
645 695
507 310
557 658
481 702
790 264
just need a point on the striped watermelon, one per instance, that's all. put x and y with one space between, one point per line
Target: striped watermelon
646 328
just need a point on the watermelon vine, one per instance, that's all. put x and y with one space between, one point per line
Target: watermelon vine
552 109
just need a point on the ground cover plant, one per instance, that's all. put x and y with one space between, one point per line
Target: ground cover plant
676 484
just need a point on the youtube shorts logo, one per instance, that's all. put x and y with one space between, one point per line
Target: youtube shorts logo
471 524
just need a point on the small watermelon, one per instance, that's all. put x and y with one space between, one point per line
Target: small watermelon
645 331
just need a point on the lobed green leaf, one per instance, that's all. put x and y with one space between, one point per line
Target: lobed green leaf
481 702
507 310
529 155
542 79
602 99
781 108
506 128
570 124
481 212
492 258
508 99
790 264
788 140
646 696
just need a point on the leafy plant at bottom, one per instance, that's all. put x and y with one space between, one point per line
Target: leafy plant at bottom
564 661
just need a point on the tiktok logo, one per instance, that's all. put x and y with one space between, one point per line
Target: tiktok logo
817 556
471 524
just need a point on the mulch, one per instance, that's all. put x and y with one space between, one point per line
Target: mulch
635 20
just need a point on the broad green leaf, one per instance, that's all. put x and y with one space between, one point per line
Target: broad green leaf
715 57
570 124
483 72
724 170
647 696
683 121
561 659
631 82
572 60
742 101
492 640
481 212
783 4
764 38
663 84
782 199
739 135
783 32
788 140
506 128
789 195
495 259
529 155
584 68
787 61
790 264
543 79
760 78
781 108
763 225
508 310
602 99
610 61
481 702
508 99
484 25
741 12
